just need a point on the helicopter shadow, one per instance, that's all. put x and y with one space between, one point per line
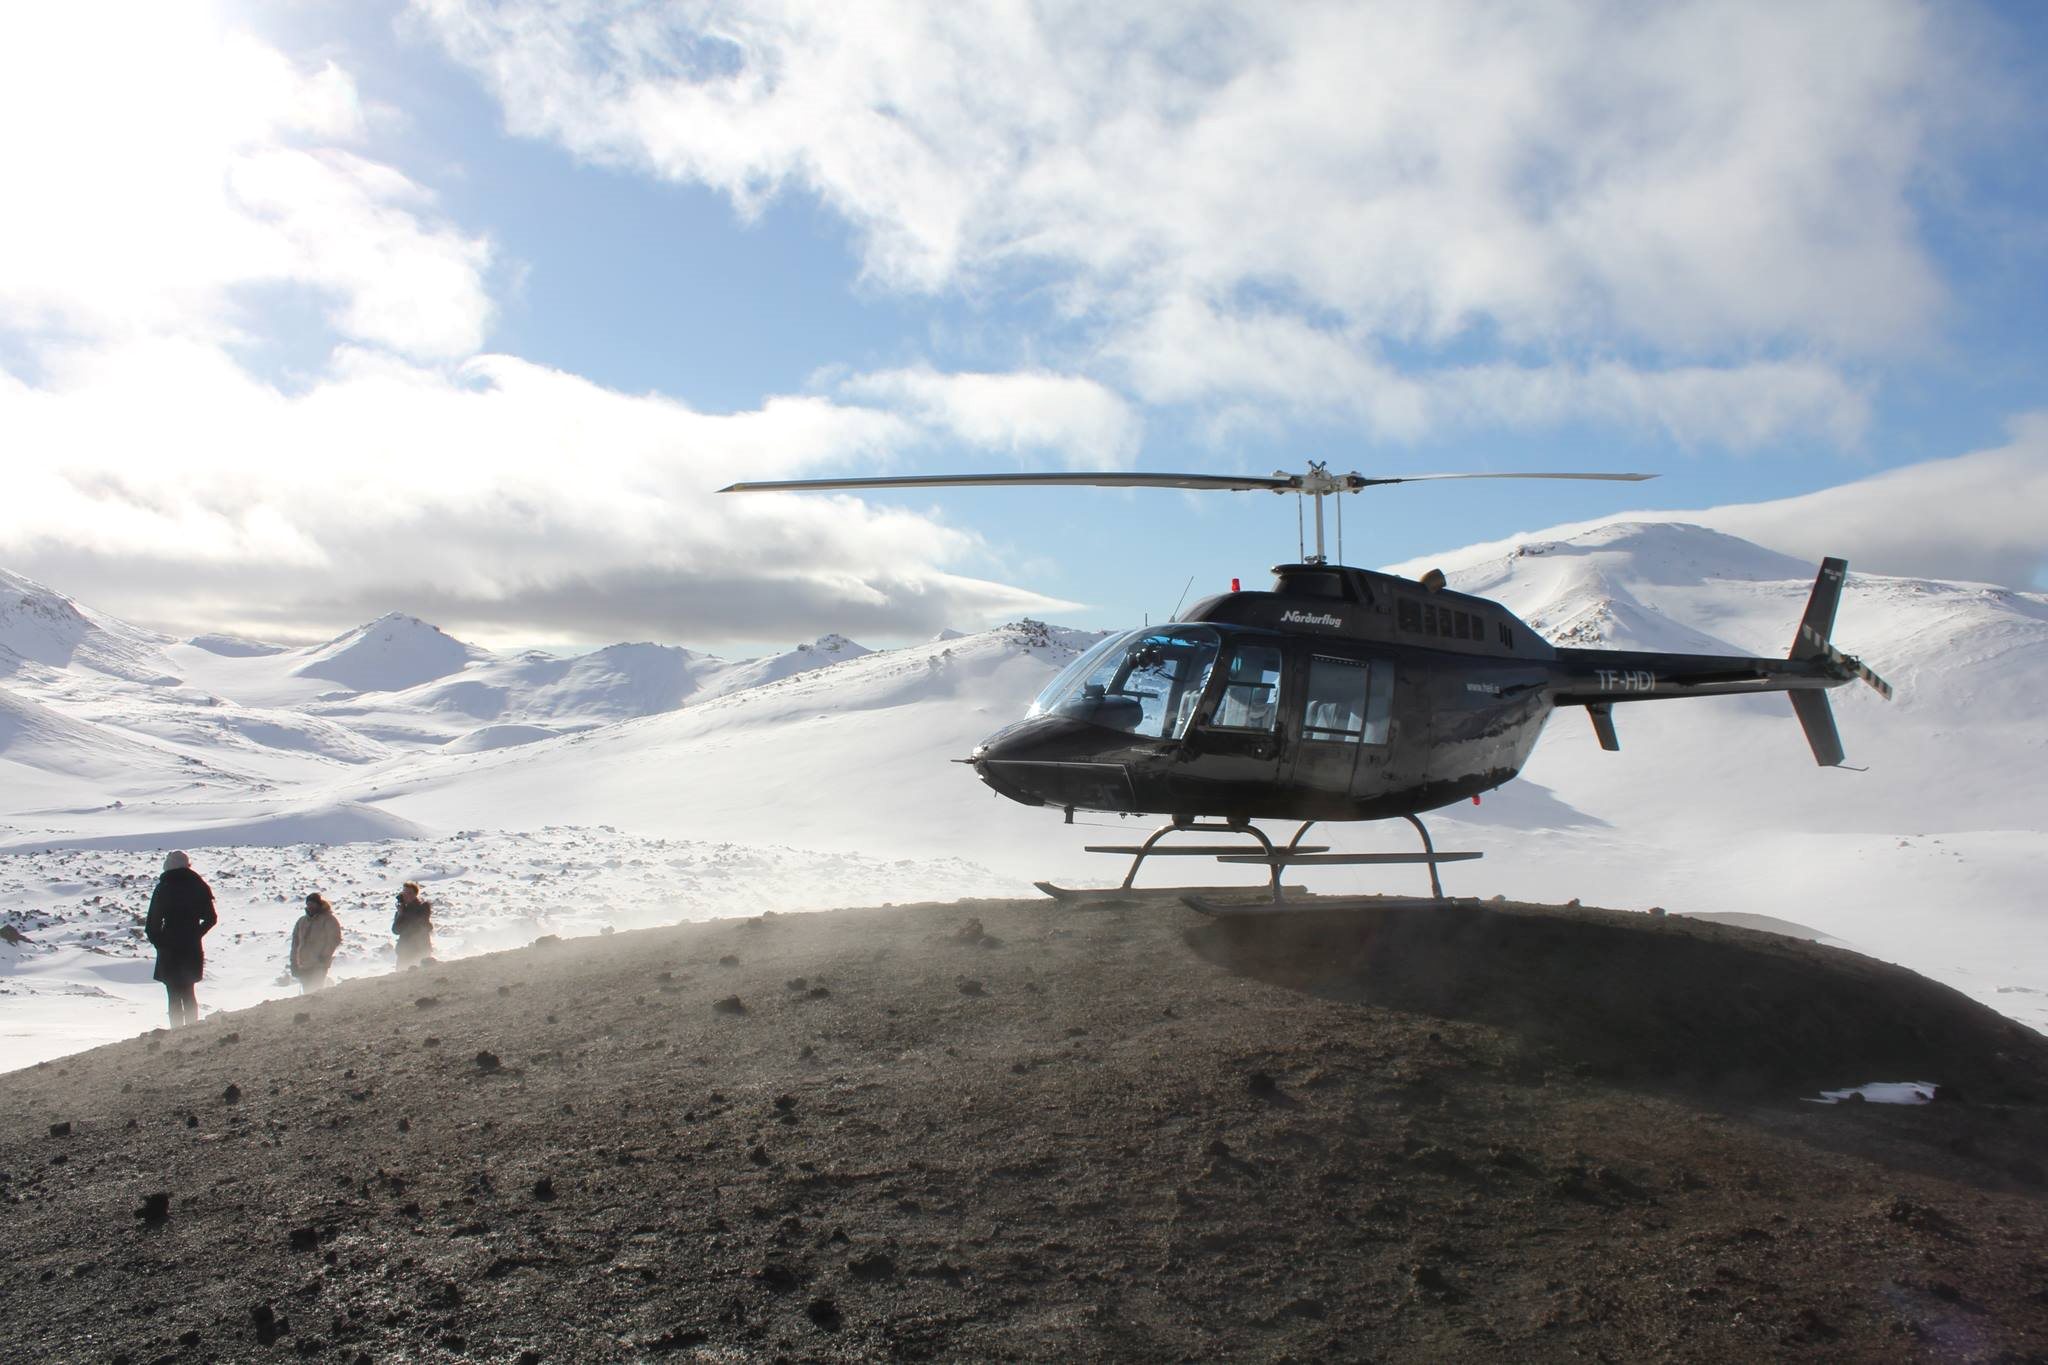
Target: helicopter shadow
1737 1022
1655 1002
1523 804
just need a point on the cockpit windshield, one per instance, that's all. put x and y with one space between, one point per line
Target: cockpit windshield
1144 682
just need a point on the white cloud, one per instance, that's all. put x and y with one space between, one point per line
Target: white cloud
1705 185
1980 517
159 162
1081 421
500 497
1186 351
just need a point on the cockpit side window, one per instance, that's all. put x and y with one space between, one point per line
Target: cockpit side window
1250 696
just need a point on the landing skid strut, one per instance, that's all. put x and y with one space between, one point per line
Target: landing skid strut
1293 854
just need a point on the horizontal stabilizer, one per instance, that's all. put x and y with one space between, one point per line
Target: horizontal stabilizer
1817 718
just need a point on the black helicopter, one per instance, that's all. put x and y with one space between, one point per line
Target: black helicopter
1339 694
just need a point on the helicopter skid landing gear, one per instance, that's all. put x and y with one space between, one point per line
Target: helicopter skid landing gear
1293 854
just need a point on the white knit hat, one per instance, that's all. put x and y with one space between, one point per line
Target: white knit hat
176 859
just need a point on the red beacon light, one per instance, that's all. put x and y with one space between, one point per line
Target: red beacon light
1234 587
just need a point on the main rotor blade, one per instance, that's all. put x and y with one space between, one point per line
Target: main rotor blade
1364 482
1230 482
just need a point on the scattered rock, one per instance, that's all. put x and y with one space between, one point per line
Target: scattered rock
60 1129
874 1265
544 1189
731 1004
967 985
677 1339
269 1326
776 1278
1430 1283
729 960
156 1207
426 1002
825 1313
303 1239
487 1062
796 983
1262 1085
231 1095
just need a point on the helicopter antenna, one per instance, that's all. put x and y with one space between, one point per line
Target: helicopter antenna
1316 482
1183 597
1340 532
1300 531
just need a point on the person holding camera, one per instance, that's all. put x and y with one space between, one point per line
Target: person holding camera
315 938
414 925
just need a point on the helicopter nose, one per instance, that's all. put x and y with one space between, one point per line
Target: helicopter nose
1047 761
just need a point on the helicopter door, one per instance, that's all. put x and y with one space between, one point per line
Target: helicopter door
1241 731
1344 723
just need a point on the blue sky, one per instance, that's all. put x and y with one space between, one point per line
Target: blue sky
320 310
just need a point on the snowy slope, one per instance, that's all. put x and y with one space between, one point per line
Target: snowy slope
849 758
493 703
390 654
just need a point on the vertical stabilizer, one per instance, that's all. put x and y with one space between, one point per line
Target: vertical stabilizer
1818 624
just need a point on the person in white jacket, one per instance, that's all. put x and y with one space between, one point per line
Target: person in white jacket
314 940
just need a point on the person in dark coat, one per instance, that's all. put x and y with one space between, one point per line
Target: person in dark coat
414 925
180 912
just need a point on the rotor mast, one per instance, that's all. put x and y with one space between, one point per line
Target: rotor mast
1319 483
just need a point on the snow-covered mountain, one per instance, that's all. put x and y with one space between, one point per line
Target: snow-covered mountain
43 630
824 773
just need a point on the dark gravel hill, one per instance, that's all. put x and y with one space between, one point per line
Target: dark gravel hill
1002 1130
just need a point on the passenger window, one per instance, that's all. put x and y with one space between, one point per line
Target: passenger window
1410 613
1334 712
1251 689
1464 625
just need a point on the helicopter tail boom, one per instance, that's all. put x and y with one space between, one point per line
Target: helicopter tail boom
1601 677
